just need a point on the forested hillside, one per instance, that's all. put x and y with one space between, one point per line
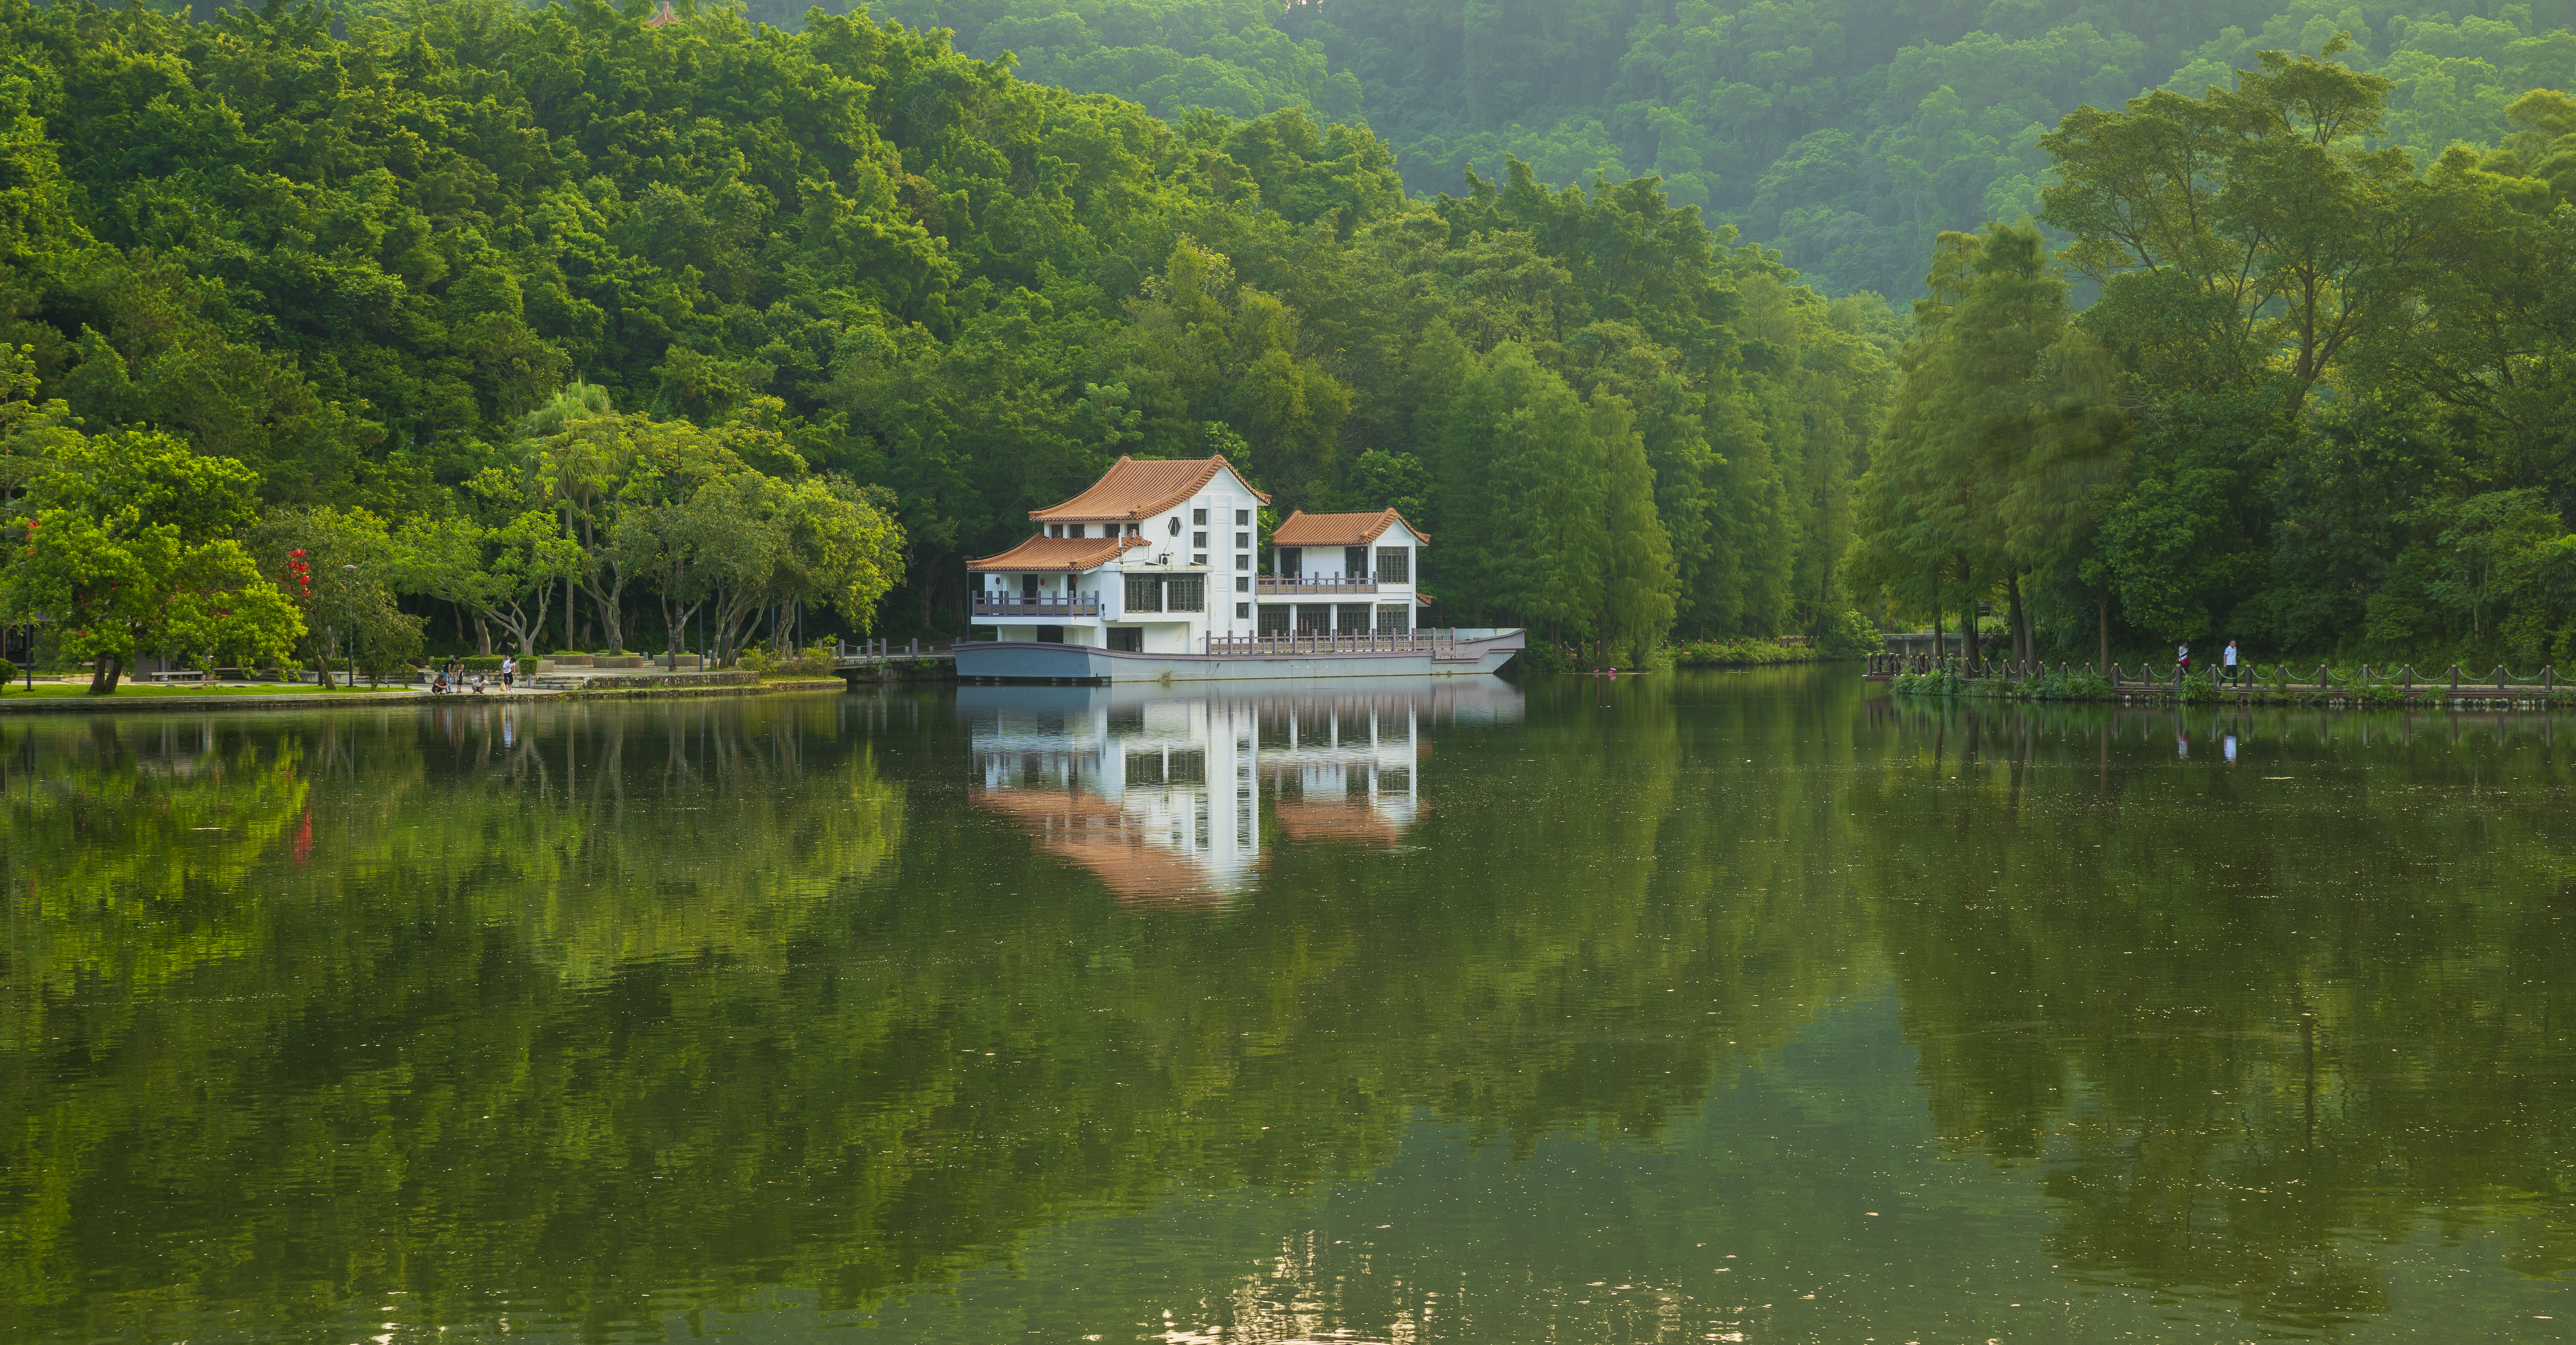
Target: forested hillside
2325 403
1845 133
519 321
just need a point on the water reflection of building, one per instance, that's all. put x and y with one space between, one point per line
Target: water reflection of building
1161 792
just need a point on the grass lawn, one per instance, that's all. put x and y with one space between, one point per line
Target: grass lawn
20 691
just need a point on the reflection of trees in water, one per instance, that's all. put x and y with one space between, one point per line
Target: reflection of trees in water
2235 1043
379 1032
525 1026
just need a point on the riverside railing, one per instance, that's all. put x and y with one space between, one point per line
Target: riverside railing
1432 642
2248 678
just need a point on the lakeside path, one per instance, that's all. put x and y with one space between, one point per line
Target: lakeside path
249 696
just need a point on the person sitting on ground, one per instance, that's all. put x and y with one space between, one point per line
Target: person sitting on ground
478 684
438 683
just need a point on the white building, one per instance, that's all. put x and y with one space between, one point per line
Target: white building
1342 572
1158 556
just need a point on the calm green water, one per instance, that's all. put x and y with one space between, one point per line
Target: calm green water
1701 1007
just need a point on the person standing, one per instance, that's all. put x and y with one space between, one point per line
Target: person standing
2182 659
509 671
2229 659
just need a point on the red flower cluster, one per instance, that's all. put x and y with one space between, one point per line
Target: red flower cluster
299 570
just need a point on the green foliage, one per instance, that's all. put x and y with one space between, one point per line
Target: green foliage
1840 138
1851 635
2320 402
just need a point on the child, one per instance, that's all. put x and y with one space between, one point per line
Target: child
478 684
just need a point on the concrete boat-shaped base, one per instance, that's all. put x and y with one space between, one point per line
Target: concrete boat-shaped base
1023 660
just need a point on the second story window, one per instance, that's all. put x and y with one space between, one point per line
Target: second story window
1394 565
1198 539
1055 530
1199 517
1292 561
1243 518
1243 541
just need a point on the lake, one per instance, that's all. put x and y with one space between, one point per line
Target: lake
1701 1006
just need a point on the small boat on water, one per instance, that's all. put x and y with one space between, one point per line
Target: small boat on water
1150 576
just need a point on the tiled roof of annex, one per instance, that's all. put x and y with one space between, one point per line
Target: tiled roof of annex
1131 489
1305 529
1070 554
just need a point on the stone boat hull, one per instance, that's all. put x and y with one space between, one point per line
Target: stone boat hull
1027 661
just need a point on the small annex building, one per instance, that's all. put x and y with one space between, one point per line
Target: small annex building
1342 573
1157 556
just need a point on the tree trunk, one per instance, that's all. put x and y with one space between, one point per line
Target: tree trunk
2102 624
1968 632
102 679
2020 632
1938 652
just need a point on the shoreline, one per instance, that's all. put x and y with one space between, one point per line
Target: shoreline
346 700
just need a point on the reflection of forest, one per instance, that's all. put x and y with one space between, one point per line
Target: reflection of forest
2249 1016
582 1008
598 1012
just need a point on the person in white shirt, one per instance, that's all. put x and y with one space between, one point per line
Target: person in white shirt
2229 658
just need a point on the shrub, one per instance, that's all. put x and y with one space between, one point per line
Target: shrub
482 663
1540 660
1941 683
814 662
1851 635
1739 653
8 672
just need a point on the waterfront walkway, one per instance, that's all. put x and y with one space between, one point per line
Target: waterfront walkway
2363 682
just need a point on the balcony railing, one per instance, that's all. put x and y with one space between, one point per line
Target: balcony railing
1268 584
989 606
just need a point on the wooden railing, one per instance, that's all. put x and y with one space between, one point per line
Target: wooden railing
2245 678
988 606
1314 583
1431 642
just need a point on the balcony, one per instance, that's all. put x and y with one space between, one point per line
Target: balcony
1008 606
1274 585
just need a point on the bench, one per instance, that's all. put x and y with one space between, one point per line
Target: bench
180 675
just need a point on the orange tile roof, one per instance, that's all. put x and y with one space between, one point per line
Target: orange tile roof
1304 820
1305 529
1131 489
1099 836
1069 554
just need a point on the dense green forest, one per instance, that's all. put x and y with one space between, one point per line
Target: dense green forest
500 317
2322 404
1843 134
480 325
